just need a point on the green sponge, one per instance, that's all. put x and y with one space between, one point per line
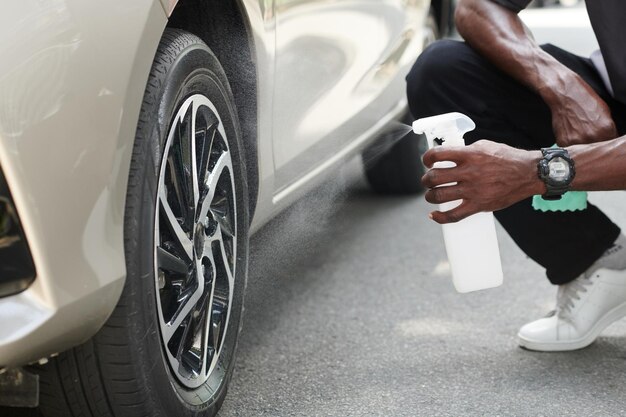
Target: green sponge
571 201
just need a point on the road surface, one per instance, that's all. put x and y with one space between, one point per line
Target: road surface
351 312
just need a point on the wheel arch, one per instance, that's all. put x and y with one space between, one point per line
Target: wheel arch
224 26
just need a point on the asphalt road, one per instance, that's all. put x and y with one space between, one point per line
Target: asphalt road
351 312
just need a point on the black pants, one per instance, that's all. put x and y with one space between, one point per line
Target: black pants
450 76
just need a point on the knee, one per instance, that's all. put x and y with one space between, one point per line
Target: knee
439 61
441 64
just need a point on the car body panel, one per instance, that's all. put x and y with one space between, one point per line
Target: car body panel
262 21
71 87
317 123
70 103
337 67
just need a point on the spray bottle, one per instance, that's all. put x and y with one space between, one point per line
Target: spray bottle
471 244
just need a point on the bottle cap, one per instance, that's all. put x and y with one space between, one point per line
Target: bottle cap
450 127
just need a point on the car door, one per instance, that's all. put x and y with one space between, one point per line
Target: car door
339 69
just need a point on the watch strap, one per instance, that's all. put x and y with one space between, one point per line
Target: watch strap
555 193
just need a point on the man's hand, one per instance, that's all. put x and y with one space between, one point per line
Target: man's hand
490 176
580 116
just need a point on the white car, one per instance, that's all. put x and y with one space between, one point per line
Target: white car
141 143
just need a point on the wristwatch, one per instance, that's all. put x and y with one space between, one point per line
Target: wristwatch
556 169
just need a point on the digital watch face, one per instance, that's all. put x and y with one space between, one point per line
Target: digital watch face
559 169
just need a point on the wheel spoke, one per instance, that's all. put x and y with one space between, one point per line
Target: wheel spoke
208 354
218 321
182 151
207 138
183 337
195 343
179 317
194 158
178 185
220 296
188 302
222 214
182 238
222 163
171 262
184 294
225 259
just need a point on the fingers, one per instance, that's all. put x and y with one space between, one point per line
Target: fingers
439 176
444 194
455 215
450 153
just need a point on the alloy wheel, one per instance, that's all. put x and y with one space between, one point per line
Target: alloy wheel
195 241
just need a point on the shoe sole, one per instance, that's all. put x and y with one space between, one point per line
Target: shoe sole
606 320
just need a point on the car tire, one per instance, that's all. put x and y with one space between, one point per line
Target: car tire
168 348
399 169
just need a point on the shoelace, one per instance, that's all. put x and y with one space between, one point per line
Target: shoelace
569 293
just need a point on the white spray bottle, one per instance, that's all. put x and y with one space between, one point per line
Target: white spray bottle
471 244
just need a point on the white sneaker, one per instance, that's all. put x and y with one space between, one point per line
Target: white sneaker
585 307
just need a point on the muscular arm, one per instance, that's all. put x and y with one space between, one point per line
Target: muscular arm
579 114
491 176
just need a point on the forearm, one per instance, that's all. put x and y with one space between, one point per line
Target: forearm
499 35
600 166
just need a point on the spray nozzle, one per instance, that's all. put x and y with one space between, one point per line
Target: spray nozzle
448 127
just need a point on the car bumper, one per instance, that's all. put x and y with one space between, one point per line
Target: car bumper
72 78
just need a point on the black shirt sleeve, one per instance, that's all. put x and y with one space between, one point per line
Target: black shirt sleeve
515 5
